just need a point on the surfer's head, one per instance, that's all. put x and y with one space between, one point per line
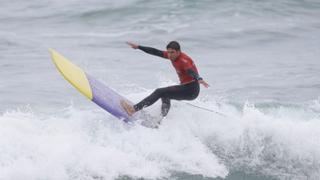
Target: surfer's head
173 49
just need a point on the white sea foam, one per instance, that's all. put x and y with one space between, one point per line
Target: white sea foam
87 144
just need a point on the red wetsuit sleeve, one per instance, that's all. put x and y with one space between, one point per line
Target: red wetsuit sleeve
187 64
165 54
190 68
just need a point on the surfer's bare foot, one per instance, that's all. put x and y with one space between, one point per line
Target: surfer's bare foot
127 107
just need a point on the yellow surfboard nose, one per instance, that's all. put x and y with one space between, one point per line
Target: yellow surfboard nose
72 73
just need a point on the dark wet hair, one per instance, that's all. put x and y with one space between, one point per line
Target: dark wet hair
174 45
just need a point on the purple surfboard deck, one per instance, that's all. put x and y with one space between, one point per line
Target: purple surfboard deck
108 99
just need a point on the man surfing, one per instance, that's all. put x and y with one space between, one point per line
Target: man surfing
188 74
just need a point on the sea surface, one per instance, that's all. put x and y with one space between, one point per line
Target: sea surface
259 120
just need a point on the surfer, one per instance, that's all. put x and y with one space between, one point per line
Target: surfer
188 75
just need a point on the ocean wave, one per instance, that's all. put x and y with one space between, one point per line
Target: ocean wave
75 144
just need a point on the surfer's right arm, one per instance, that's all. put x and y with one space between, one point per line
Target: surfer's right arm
149 50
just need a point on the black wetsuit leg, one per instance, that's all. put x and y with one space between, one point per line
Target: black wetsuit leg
187 91
165 106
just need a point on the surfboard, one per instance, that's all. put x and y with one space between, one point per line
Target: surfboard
90 87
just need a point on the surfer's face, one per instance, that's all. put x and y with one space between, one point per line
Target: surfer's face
173 54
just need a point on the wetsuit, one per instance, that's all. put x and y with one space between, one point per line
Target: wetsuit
187 90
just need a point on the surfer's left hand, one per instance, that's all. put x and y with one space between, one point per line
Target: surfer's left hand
205 84
133 45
